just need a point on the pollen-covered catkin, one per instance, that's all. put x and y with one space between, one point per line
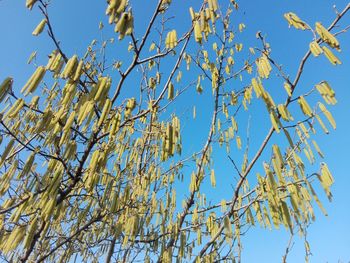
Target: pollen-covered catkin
170 91
34 80
315 48
30 3
326 36
105 111
125 25
5 87
330 56
197 32
70 67
40 27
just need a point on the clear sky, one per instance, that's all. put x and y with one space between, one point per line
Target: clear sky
76 24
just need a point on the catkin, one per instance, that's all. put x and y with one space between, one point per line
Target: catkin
326 36
197 32
170 91
40 27
330 56
5 87
6 151
70 67
34 80
105 111
315 48
30 3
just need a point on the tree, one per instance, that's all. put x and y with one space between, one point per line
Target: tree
93 166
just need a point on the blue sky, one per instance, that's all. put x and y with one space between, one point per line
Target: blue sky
76 24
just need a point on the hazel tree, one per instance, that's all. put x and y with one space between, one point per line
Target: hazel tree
92 164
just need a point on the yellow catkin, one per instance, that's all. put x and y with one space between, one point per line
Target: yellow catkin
34 80
326 36
40 27
324 128
228 228
6 151
197 32
295 21
212 178
30 3
115 124
327 114
258 88
315 48
238 142
105 111
14 110
288 88
274 121
79 71
170 91
213 5
5 87
70 67
330 56
193 16
305 107
125 25
317 149
69 121
30 233
171 39
101 87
